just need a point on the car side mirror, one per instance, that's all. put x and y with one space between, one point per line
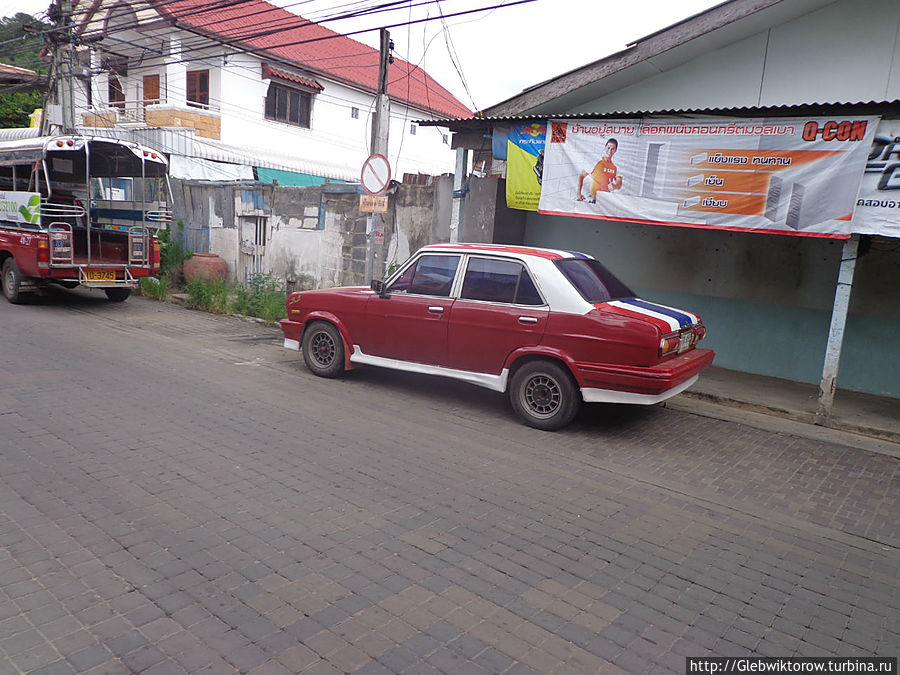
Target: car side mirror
377 285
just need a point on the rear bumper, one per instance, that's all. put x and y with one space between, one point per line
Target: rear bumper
605 383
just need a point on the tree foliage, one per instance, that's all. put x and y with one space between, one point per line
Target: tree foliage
21 42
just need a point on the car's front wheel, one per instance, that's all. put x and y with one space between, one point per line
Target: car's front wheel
544 396
323 349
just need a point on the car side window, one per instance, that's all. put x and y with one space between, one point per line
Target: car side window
495 280
429 275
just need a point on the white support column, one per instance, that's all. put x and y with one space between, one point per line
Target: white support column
459 177
836 332
174 89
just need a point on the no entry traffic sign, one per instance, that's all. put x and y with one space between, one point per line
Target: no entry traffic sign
376 174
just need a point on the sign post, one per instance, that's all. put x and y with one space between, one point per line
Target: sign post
375 177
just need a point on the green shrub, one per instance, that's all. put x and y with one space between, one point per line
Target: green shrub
171 252
156 288
262 297
211 296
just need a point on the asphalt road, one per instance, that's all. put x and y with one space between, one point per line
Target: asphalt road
179 495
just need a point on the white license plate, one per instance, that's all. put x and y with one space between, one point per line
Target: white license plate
687 338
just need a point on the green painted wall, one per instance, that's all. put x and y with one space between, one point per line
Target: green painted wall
766 299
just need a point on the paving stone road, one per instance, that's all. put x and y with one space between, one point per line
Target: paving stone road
179 495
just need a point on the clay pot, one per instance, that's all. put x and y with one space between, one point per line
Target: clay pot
205 266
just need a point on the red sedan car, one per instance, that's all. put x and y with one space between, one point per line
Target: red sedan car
551 328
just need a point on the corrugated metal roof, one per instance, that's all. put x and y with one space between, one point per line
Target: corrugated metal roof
220 152
259 25
884 108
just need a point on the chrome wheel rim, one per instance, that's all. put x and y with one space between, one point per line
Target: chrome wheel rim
323 349
542 396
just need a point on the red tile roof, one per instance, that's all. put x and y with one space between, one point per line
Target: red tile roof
269 71
260 26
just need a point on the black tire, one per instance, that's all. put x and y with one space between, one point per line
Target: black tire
323 349
117 294
11 281
544 396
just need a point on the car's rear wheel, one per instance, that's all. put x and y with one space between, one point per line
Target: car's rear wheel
117 294
323 349
11 281
544 396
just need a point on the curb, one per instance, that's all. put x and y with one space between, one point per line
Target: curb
869 438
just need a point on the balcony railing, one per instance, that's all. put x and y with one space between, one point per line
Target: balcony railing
135 112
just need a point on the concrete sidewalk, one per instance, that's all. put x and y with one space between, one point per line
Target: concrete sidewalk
863 414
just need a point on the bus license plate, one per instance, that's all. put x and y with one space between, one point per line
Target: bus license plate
100 275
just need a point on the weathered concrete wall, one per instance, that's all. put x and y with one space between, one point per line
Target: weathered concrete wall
420 215
315 237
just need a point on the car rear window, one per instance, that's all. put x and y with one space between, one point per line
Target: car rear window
495 280
595 283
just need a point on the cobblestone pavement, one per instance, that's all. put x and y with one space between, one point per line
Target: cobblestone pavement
178 495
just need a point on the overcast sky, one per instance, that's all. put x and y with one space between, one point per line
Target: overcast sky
498 52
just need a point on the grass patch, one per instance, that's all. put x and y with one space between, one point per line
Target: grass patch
263 297
156 288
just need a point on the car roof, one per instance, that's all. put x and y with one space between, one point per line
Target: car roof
507 249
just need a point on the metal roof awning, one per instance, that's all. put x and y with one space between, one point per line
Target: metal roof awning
473 124
219 152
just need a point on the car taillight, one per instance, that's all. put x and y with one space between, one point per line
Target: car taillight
677 343
669 344
699 332
43 251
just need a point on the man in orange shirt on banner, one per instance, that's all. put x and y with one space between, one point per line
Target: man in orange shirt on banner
604 177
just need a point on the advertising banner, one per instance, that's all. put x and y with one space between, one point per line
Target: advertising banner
21 208
524 165
798 176
878 206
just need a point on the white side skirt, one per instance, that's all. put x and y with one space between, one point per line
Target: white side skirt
292 344
493 382
610 396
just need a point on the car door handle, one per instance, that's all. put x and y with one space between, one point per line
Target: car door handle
436 310
528 319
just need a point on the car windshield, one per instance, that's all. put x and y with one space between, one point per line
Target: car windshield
595 283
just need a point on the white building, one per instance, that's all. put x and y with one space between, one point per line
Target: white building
252 80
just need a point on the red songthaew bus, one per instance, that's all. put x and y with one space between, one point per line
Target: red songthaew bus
80 210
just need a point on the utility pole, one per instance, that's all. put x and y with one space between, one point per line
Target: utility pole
380 129
63 70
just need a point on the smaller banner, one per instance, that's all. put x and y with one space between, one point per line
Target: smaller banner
797 176
60 246
525 165
22 208
137 251
878 205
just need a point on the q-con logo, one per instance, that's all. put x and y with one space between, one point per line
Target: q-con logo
884 159
847 130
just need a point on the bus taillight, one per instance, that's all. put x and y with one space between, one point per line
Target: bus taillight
154 256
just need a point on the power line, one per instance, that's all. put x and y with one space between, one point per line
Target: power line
267 48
